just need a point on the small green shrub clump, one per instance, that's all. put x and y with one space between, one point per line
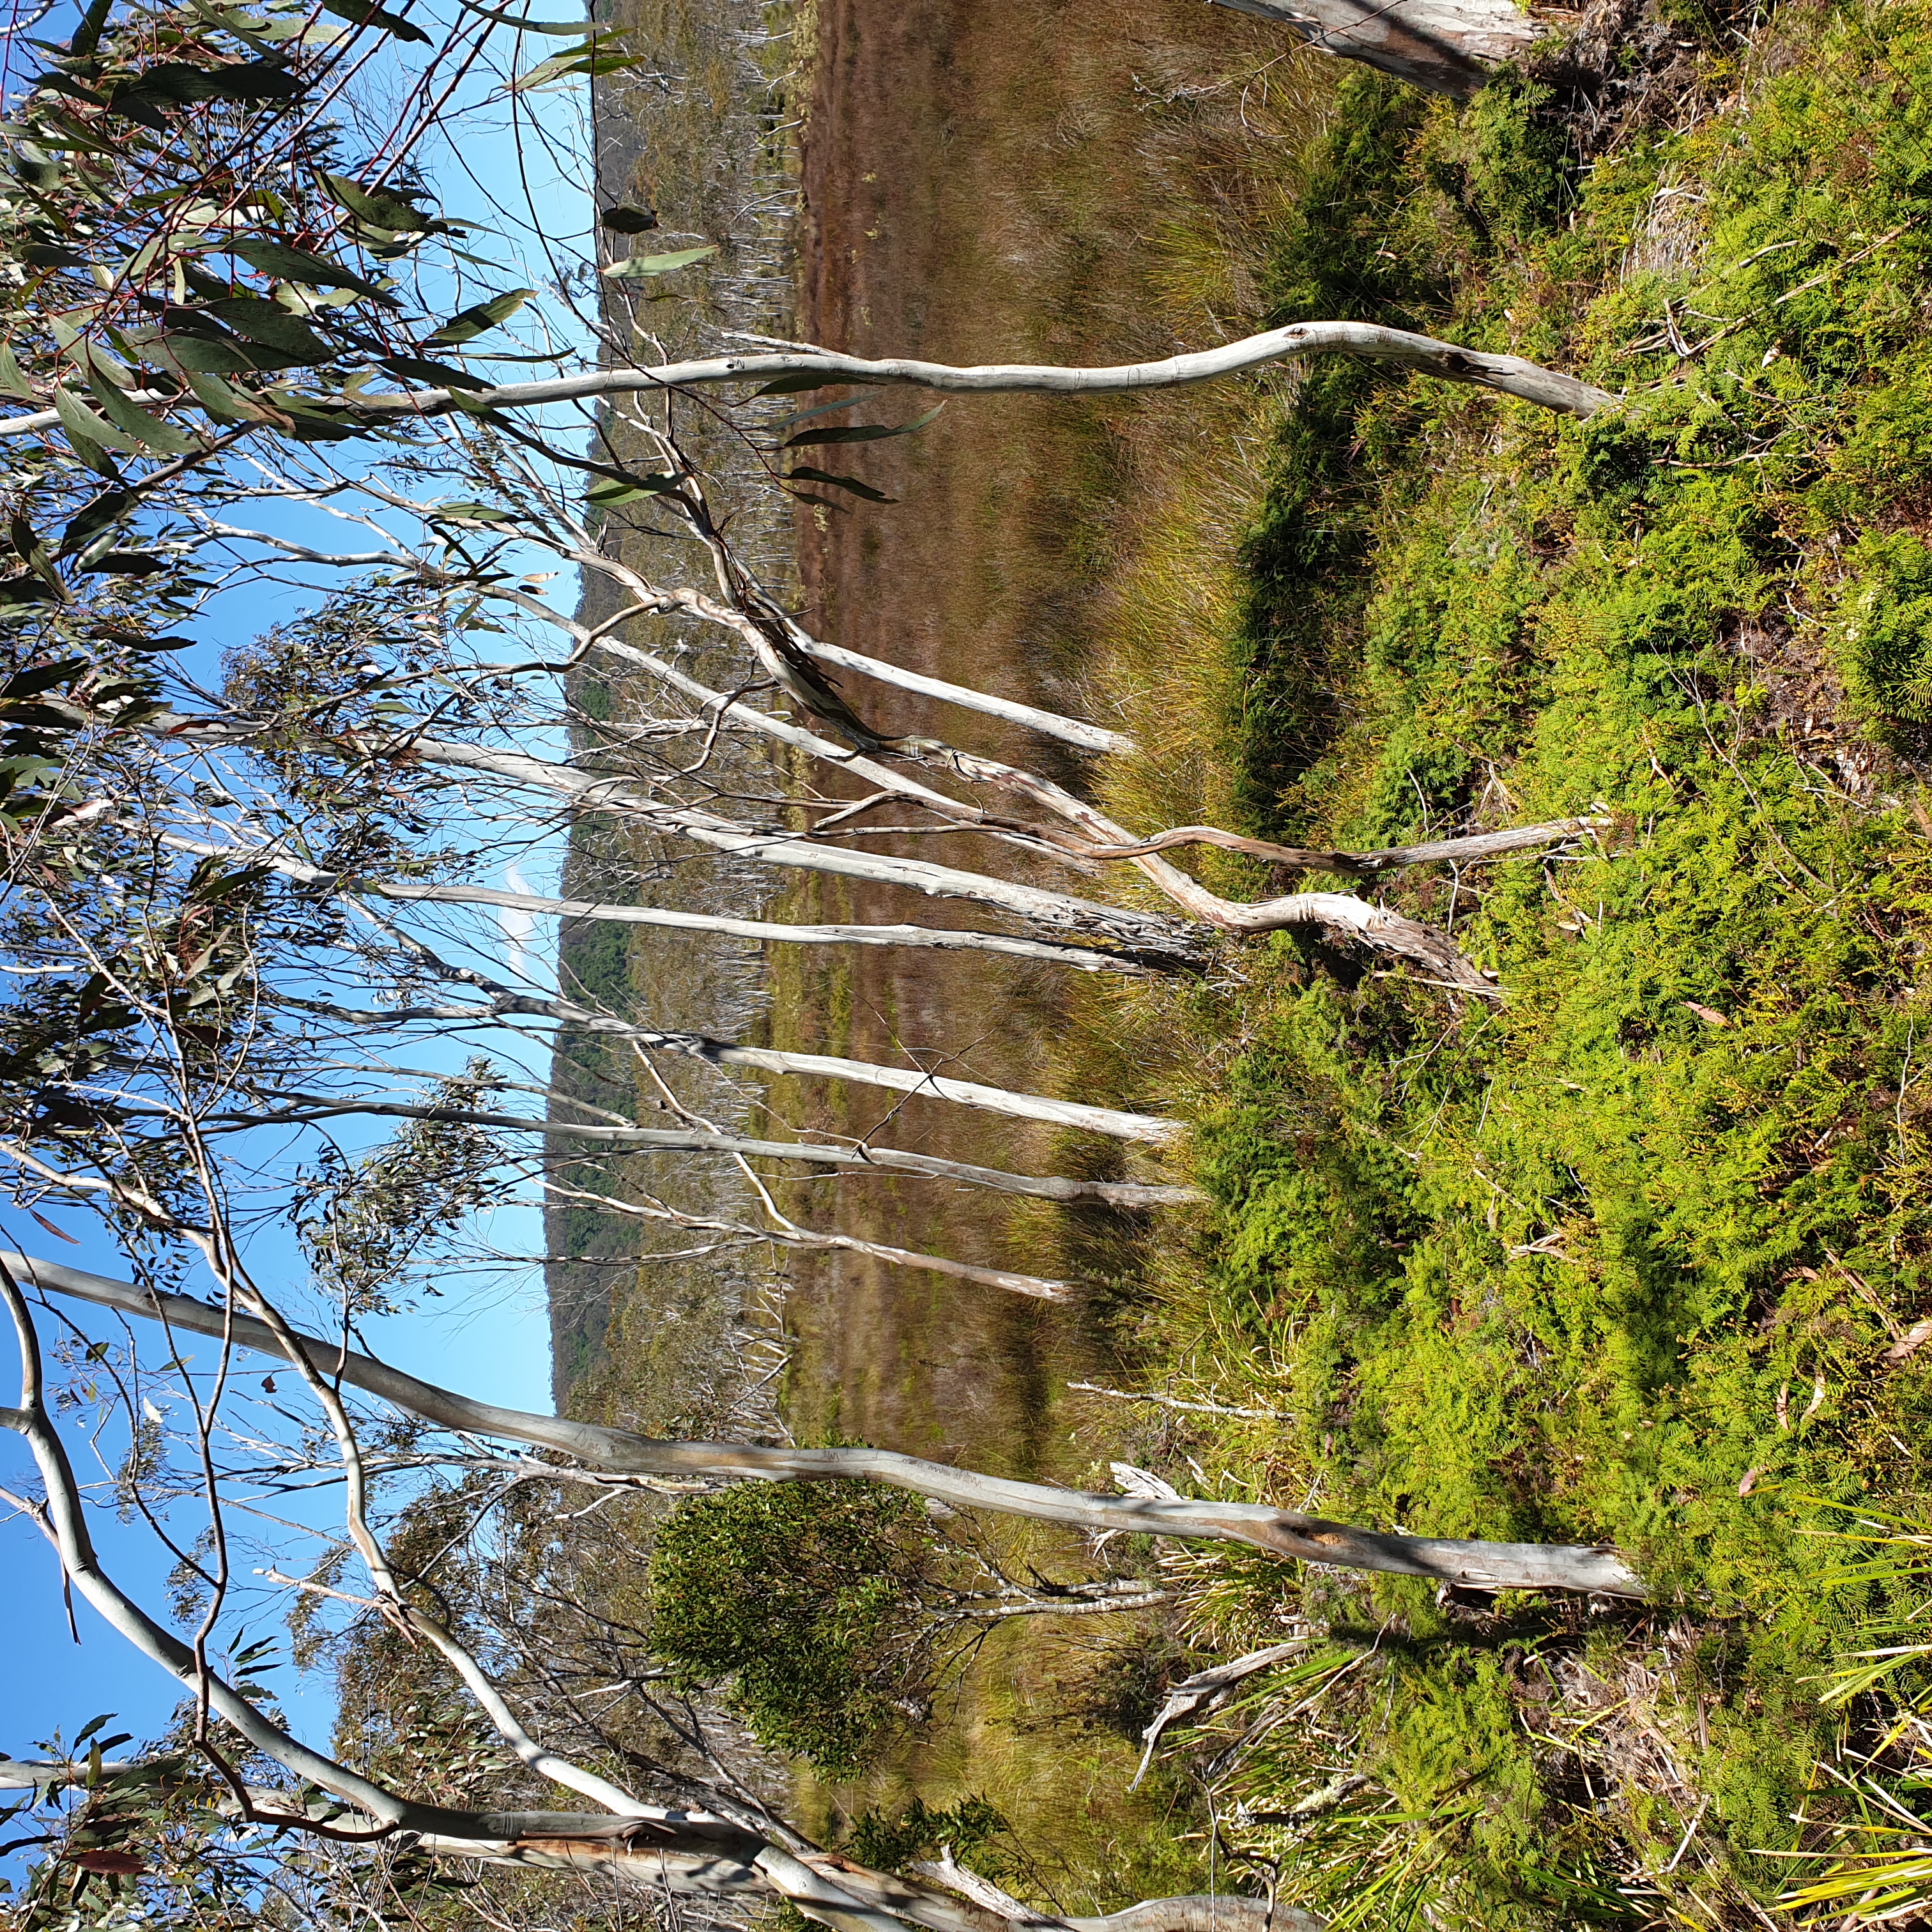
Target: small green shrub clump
802 1601
1885 620
891 1840
1635 1254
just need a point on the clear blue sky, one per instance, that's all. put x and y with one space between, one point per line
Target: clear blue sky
489 1338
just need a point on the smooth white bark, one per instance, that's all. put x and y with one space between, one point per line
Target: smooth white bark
616 795
1509 374
1048 724
1443 46
681 1140
1492 1566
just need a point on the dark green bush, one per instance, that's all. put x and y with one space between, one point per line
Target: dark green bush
802 1601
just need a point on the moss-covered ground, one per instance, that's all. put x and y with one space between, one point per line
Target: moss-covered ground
1638 1251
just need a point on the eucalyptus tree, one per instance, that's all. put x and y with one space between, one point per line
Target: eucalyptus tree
222 336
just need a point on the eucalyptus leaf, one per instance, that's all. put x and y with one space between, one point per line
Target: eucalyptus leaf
473 322
587 59
469 513
296 264
863 433
223 400
378 207
368 15
607 495
13 378
82 425
635 267
441 375
804 472
268 321
127 416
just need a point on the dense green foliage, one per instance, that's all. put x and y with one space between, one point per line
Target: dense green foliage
1623 1255
802 1599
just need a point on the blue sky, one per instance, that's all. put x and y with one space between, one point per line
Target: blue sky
489 1335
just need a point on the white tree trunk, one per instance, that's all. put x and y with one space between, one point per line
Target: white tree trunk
1145 932
1509 374
1442 47
1486 1566
1115 1122
689 1140
1048 724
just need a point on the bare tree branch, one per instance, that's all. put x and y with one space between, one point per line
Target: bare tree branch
1285 1532
1511 375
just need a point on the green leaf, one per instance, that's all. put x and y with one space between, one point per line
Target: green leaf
440 375
178 84
635 266
607 494
94 520
132 420
216 886
309 421
794 386
209 355
524 26
474 513
29 683
584 59
143 646
296 264
13 379
822 410
87 35
379 208
83 426
472 321
52 255
865 433
367 15
268 321
803 473
223 401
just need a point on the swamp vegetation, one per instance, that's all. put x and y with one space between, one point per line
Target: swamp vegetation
1397 1405
1637 1251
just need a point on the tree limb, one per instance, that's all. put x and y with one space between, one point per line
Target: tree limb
1399 348
1491 1566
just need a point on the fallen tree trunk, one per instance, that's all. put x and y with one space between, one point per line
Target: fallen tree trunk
1475 1565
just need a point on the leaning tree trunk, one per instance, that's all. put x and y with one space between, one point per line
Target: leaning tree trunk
1442 47
1479 1565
